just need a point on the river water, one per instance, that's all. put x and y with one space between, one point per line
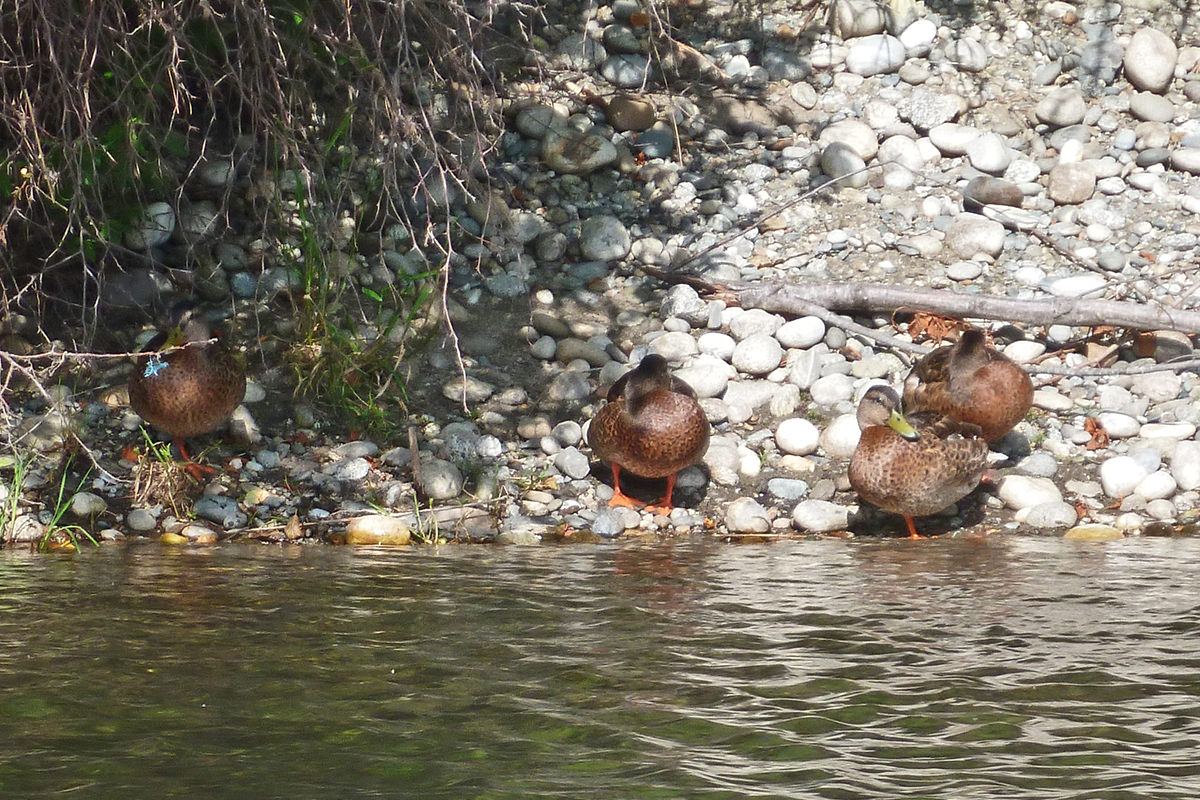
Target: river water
1009 667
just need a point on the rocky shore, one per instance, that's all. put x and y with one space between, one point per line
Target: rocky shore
954 133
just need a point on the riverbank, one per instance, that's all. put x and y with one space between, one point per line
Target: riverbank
1080 122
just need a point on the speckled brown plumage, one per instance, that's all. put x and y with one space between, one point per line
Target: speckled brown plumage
191 391
651 426
973 383
938 463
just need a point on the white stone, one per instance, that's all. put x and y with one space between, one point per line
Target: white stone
801 333
719 345
757 354
988 153
797 437
753 322
1156 486
853 18
855 134
1118 425
1150 60
921 33
952 139
967 54
199 218
1161 509
820 516
964 270
721 459
1157 387
805 367
674 346
1024 350
872 55
1186 159
972 234
1185 465
1120 475
829 390
1168 430
1087 283
1026 491
707 375
841 436
1049 399
840 162
1150 106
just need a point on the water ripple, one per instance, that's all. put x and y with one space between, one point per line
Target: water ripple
1015 668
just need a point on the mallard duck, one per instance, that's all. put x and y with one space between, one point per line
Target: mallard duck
972 382
651 426
917 465
191 391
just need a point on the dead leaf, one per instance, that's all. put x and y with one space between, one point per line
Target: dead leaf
934 327
293 529
1099 439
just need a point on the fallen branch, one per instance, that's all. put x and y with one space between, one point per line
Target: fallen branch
879 298
822 300
799 299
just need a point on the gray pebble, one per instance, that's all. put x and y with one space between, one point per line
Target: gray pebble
1051 515
746 515
604 238
439 479
820 516
787 489
572 463
140 520
625 70
1061 107
220 509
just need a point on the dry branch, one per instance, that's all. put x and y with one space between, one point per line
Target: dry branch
875 298
799 299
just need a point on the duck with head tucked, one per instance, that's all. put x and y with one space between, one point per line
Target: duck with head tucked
191 391
971 382
651 426
916 465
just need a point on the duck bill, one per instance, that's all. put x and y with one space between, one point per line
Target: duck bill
900 425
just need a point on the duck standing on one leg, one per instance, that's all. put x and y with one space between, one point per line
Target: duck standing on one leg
651 426
191 391
971 382
917 465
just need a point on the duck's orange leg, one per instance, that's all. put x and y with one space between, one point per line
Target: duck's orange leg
198 471
619 498
912 528
664 506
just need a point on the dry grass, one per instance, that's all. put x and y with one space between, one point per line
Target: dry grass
109 106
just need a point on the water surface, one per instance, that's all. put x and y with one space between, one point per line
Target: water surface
1000 668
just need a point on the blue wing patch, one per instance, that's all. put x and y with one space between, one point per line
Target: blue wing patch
154 366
